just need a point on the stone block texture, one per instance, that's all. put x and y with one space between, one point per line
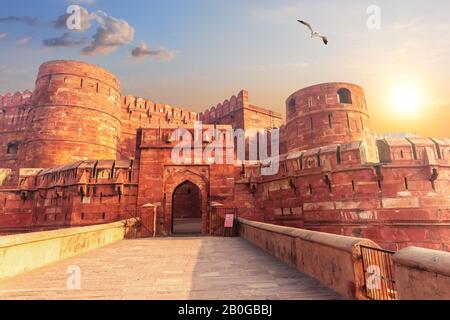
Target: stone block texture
77 152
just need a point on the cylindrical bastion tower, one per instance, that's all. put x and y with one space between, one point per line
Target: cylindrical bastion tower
75 115
325 114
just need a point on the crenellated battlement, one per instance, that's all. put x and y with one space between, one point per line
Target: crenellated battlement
75 151
145 110
238 112
216 113
14 100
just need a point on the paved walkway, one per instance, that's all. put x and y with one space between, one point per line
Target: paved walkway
174 268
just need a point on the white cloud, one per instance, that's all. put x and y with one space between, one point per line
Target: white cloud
66 40
86 20
143 51
24 40
2 35
32 21
111 34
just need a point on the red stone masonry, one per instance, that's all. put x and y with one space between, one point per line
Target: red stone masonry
240 114
75 115
76 152
14 117
139 113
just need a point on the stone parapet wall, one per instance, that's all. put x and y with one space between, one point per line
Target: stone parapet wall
333 260
22 253
422 274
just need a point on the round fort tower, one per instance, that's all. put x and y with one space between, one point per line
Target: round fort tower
325 114
75 115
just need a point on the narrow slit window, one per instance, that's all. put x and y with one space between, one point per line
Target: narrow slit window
338 155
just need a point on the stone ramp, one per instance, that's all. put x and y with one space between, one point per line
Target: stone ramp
170 268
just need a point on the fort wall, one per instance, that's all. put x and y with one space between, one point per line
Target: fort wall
14 120
332 113
240 114
78 194
76 152
75 115
333 190
139 113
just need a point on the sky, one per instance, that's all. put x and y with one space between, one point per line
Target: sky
197 53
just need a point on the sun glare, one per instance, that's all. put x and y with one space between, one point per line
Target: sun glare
407 100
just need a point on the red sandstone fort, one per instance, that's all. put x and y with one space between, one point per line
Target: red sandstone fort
76 152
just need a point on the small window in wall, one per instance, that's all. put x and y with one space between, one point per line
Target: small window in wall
433 179
292 105
330 120
13 148
338 155
362 124
345 96
406 184
348 121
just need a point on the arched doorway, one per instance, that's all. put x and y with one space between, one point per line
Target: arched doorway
187 209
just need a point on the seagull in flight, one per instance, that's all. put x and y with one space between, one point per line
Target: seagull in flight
314 34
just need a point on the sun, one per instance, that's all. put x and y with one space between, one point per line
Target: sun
407 100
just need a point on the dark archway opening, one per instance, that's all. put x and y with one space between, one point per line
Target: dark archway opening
187 209
345 96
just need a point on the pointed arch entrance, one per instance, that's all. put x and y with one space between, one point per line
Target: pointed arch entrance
187 209
186 192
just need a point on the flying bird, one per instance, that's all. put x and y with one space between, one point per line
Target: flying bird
314 34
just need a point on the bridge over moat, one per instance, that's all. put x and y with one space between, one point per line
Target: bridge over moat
172 268
293 264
